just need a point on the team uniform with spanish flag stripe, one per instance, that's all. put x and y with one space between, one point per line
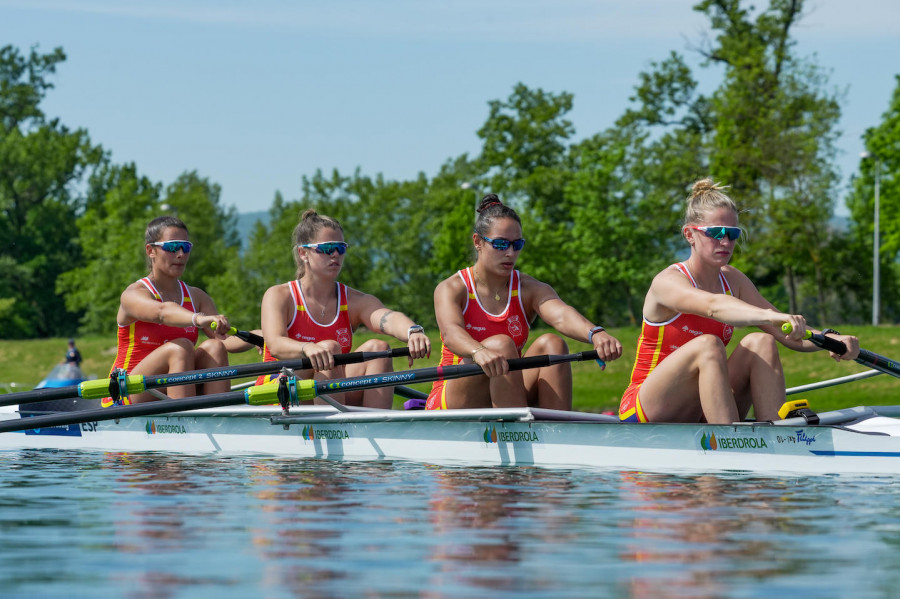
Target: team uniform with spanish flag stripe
481 324
137 340
303 327
659 339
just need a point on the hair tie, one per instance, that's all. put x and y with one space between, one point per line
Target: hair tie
489 204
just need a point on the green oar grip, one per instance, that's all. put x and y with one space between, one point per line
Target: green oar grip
99 388
232 331
787 328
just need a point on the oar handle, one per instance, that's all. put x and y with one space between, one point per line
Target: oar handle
865 357
251 338
832 345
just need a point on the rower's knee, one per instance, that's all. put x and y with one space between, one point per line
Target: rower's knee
761 344
549 343
374 345
708 349
215 350
502 344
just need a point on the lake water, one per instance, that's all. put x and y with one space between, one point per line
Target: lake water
79 524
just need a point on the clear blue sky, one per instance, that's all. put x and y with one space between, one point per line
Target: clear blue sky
254 95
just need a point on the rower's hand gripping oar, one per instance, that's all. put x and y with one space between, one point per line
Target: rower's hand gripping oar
866 357
251 338
131 384
286 391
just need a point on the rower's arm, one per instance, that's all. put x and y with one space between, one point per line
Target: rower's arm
567 320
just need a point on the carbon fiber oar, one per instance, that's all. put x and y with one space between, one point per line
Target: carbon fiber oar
285 390
866 357
136 383
308 389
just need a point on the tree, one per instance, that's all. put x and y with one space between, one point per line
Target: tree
41 163
883 145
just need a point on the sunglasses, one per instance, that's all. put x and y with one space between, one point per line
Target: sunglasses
720 232
329 247
503 244
174 246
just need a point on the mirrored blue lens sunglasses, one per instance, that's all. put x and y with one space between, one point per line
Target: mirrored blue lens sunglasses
328 247
503 244
720 232
174 245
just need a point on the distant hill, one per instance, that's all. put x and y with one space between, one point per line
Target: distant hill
245 223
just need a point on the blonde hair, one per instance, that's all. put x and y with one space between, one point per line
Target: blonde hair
311 222
706 196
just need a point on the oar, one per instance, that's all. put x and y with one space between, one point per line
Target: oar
135 383
258 341
251 338
866 357
286 390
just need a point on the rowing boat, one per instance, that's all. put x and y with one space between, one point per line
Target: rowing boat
862 440
854 441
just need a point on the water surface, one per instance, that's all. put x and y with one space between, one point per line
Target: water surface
80 524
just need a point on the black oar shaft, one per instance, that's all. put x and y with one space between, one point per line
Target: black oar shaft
308 389
201 376
216 400
866 357
268 394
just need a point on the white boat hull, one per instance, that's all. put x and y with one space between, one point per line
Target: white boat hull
489 437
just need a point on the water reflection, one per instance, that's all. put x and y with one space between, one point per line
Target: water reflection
152 525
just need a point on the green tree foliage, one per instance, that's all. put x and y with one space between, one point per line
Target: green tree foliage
883 145
41 162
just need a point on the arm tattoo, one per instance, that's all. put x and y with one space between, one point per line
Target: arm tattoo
384 319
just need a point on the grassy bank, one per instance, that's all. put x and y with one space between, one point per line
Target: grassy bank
26 362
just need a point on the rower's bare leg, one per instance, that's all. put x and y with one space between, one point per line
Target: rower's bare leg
173 356
381 397
757 377
507 391
481 391
212 353
692 382
550 386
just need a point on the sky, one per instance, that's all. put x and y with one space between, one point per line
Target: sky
255 95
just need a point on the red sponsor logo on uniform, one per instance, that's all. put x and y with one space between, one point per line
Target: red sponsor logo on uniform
343 336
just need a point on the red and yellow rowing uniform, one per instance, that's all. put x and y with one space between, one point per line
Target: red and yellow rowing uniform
138 339
481 324
303 327
659 339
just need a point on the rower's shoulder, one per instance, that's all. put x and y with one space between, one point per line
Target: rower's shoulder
453 283
735 277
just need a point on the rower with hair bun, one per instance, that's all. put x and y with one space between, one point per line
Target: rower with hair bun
314 316
160 316
682 372
485 313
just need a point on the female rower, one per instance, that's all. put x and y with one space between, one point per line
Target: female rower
682 372
314 316
160 315
485 312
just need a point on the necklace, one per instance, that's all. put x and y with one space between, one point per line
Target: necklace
496 293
